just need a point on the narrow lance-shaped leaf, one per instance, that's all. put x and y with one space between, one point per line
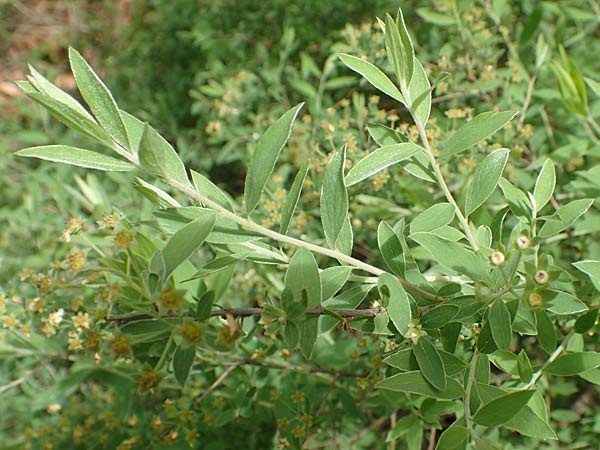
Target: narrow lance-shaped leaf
430 362
98 98
77 157
485 180
292 199
373 75
158 157
502 409
479 128
415 382
210 190
185 242
334 198
384 135
399 48
500 323
380 159
544 185
433 218
420 91
398 304
545 331
265 156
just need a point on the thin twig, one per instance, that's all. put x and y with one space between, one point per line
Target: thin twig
244 312
217 382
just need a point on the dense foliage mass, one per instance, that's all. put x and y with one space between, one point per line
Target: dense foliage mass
379 237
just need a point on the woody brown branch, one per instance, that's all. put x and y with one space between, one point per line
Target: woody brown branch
245 312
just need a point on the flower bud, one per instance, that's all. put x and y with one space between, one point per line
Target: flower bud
541 277
522 242
535 299
498 258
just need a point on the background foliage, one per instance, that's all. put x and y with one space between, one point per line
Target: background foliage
211 78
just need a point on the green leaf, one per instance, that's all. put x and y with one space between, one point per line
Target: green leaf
379 160
292 199
303 275
416 383
485 340
399 48
432 16
206 187
587 321
517 201
77 157
486 178
406 361
432 218
333 279
524 367
334 198
544 185
545 331
594 85
383 135
373 75
526 421
265 156
159 158
565 216
98 98
453 256
309 331
390 247
185 242
573 363
562 303
500 410
439 316
398 304
156 195
453 438
73 118
479 128
591 269
430 363
420 89
183 359
500 323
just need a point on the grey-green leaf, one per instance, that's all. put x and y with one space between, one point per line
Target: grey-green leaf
545 331
544 185
384 135
333 279
399 48
380 159
373 75
500 410
430 362
265 156
390 247
500 323
210 190
77 157
573 363
292 199
453 256
159 158
486 178
524 367
479 128
183 359
334 198
416 383
398 306
98 98
565 216
185 241
432 218
420 88
591 269
303 275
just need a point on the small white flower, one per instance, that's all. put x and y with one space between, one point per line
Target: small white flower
523 242
498 258
56 318
541 277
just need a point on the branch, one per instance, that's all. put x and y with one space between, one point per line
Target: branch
244 312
